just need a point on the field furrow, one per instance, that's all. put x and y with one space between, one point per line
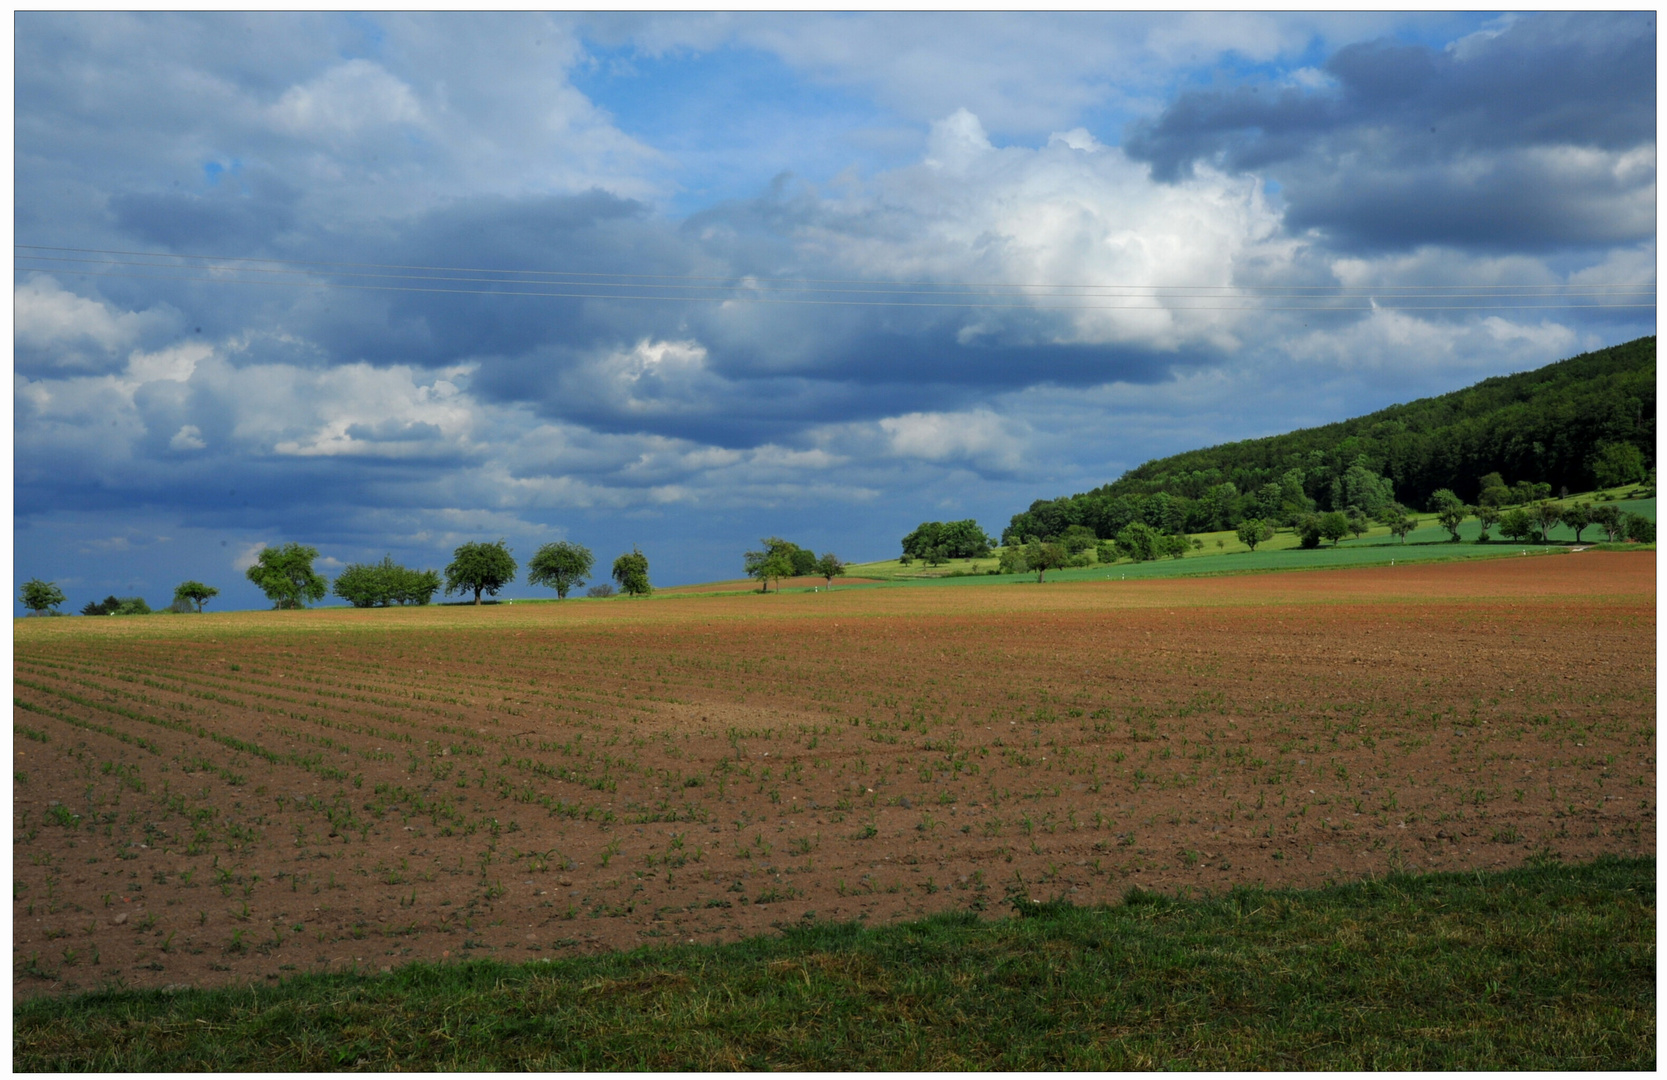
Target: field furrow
229 797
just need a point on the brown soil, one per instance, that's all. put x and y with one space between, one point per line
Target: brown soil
228 798
746 585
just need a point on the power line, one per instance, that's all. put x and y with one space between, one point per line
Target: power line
1136 291
534 273
1372 305
820 292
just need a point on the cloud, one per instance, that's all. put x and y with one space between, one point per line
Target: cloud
1055 220
1024 73
344 101
740 165
979 437
54 328
248 556
1538 133
188 437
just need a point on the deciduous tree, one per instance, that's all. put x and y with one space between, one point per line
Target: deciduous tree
1577 517
1042 557
1309 530
1493 491
631 571
1615 464
1334 525
1610 518
959 539
1516 524
481 568
830 566
1138 541
195 592
1077 539
561 566
40 596
416 586
772 562
1488 515
285 574
1545 516
384 583
1253 531
1452 515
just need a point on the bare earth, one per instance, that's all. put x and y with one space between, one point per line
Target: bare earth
227 798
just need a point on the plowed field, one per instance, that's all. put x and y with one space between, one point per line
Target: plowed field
224 798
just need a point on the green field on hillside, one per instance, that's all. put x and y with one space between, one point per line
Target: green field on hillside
1545 967
1222 553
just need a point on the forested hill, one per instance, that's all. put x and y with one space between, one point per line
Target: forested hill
1568 424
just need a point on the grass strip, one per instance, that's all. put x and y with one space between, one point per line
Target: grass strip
1544 967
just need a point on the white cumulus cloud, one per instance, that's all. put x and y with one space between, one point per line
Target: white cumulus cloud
188 437
979 437
345 100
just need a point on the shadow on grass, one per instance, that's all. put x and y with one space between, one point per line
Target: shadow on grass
1543 967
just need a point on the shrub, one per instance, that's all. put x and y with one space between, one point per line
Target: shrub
384 583
1516 524
111 605
1077 539
1138 541
1308 528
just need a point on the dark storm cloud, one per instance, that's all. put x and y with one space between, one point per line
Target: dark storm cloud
766 370
244 215
1510 140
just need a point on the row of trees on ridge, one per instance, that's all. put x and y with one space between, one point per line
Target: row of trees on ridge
285 574
778 558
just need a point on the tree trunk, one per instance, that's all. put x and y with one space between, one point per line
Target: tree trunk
477 598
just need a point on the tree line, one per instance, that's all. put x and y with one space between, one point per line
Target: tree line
1579 424
778 558
285 574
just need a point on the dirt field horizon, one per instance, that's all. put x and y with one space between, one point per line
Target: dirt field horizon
216 799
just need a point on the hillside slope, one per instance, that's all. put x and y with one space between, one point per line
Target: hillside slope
1550 425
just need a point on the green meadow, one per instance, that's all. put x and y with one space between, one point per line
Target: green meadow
1222 553
1543 967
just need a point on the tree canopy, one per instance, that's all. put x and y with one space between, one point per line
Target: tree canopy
830 566
1043 556
38 595
1253 531
772 562
1580 423
384 583
480 567
285 574
956 539
195 592
631 571
561 566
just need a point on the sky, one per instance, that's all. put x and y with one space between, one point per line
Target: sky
385 284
